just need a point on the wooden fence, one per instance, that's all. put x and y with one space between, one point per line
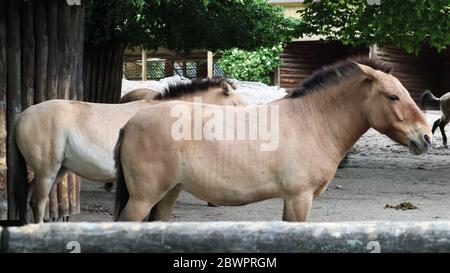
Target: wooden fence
41 50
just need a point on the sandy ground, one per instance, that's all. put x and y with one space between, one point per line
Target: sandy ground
379 172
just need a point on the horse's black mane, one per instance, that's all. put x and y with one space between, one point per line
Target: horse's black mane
337 73
179 89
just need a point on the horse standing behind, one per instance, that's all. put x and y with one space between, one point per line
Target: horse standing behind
139 94
444 105
60 135
318 123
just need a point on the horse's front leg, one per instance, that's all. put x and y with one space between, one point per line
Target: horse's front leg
297 207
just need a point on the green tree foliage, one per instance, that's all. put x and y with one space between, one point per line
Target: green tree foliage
251 65
407 23
184 25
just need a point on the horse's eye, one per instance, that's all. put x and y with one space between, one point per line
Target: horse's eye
393 97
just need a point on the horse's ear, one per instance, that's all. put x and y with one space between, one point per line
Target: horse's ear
367 70
226 87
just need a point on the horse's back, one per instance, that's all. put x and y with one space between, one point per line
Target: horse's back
139 94
80 134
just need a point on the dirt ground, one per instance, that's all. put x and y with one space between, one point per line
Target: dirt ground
379 172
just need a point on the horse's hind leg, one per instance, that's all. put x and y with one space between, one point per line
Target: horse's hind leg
143 195
442 125
435 125
42 184
296 208
162 211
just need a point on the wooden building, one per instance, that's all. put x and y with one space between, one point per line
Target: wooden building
301 58
428 70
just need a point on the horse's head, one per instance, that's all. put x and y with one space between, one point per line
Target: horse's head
392 111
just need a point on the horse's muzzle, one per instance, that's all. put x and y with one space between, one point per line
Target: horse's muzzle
420 144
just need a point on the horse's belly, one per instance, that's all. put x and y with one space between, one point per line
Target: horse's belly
94 162
227 189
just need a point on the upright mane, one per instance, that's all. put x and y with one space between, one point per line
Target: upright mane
180 89
337 73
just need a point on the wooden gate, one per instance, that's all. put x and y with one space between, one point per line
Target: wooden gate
41 50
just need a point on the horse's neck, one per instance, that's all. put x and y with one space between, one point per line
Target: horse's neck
336 121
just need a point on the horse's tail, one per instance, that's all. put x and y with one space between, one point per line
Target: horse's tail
20 177
121 187
425 96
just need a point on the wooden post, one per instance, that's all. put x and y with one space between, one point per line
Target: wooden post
144 64
276 77
3 63
63 35
169 68
52 63
373 51
14 106
28 53
80 53
40 78
210 64
184 68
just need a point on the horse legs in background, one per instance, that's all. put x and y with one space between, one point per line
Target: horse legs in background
435 125
442 128
41 185
441 123
162 211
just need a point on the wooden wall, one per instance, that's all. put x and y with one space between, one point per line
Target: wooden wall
300 58
103 70
428 70
42 52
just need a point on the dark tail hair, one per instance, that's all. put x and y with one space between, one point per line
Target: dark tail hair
425 96
20 178
121 188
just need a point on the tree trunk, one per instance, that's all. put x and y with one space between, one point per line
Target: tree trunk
42 59
52 67
63 35
103 69
13 98
41 49
28 53
3 63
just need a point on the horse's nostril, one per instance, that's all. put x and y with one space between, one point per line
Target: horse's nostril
427 139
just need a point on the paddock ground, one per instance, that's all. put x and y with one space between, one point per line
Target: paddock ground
379 172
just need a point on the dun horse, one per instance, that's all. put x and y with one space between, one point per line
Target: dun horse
318 123
139 94
58 135
444 105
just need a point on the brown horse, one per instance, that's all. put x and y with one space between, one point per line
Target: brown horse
139 94
59 135
318 123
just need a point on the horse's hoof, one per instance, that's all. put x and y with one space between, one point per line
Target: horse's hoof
212 205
